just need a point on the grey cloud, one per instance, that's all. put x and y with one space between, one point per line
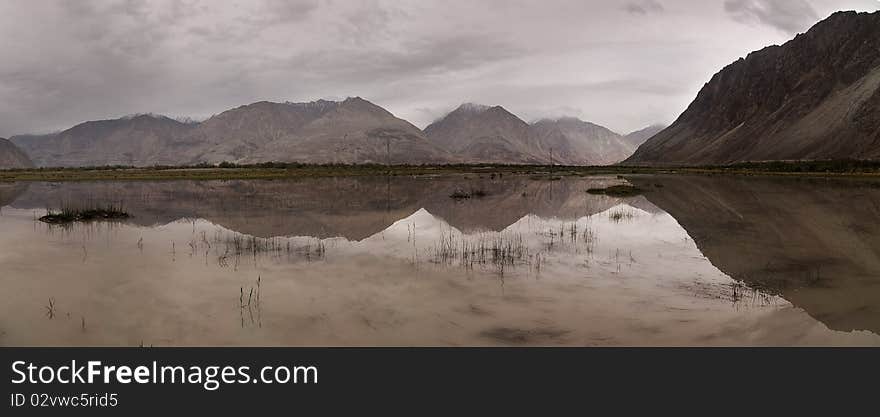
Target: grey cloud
94 59
286 11
416 57
598 102
270 13
790 16
643 7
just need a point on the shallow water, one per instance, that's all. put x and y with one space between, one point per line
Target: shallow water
396 261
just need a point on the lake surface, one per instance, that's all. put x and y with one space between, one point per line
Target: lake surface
397 262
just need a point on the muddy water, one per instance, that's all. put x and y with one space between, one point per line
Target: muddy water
396 261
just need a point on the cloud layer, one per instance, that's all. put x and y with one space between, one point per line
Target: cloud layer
643 6
624 66
790 16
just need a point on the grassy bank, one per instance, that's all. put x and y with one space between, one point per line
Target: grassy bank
280 171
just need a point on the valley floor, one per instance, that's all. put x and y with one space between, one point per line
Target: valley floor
279 171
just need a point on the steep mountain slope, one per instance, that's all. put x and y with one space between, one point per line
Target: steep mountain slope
134 140
477 133
351 131
815 97
12 157
576 142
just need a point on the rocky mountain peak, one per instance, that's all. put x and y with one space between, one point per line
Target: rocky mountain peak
814 97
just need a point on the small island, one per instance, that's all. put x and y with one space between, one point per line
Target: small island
71 215
621 191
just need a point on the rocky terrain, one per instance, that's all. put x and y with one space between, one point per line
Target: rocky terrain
815 97
12 157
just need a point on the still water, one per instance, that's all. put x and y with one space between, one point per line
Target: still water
397 262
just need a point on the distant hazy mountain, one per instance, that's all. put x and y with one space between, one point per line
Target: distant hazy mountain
815 97
637 138
12 157
576 142
134 140
478 133
351 131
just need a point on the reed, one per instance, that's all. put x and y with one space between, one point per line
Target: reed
618 216
50 308
233 246
252 305
500 250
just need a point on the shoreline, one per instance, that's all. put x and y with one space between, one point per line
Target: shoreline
541 172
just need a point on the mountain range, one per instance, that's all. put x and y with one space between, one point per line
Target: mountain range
477 133
815 97
353 130
349 131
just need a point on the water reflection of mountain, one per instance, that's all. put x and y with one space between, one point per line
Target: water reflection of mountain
10 192
354 208
816 242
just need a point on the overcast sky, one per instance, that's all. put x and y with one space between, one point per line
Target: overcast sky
622 64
